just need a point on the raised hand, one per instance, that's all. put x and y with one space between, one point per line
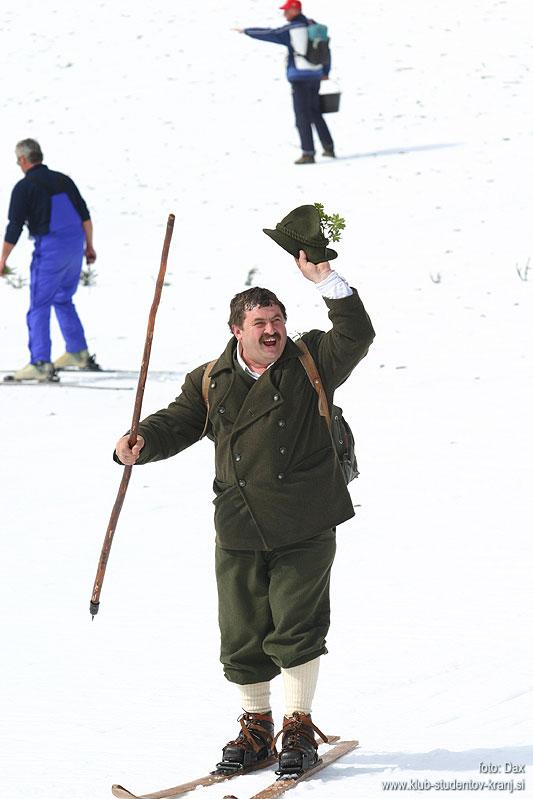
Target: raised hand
313 272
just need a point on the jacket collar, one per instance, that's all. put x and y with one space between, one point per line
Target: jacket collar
226 361
36 168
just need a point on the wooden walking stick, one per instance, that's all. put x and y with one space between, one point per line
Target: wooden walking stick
117 507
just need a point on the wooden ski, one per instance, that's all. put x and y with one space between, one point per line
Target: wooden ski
210 779
178 790
279 787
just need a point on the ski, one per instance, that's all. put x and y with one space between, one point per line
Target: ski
64 384
282 785
101 374
210 779
132 374
92 379
178 790
9 380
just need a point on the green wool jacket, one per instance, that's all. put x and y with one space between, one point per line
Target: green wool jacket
277 477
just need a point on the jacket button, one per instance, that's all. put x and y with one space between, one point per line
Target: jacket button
212 384
281 423
242 483
281 476
222 409
283 450
275 397
237 456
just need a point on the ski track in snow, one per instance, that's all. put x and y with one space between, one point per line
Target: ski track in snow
157 109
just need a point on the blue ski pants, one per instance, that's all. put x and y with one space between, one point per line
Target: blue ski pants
306 104
55 273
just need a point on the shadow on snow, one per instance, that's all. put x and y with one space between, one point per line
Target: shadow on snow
396 151
436 760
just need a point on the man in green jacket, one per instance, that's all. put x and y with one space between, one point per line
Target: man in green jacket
279 495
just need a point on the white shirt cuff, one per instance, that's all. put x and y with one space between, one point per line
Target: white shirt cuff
334 287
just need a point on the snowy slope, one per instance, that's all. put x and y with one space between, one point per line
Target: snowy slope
156 109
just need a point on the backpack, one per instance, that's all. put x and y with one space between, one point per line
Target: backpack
317 44
341 435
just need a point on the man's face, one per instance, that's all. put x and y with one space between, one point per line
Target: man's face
290 13
23 162
262 336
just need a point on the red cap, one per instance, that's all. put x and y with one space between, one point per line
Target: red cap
291 4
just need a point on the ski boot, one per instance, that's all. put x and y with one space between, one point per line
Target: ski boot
42 371
299 748
81 361
254 743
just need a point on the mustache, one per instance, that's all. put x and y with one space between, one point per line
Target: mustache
270 336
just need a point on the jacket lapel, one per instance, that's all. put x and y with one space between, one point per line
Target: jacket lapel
264 396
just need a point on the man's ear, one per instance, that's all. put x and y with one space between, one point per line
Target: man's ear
237 332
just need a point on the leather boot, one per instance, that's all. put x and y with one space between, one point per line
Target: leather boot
299 748
254 743
305 158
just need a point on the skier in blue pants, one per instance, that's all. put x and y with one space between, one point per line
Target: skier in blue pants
59 222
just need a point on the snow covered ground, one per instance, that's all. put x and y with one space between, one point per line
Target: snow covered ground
154 108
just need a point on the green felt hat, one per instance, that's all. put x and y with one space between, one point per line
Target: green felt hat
300 230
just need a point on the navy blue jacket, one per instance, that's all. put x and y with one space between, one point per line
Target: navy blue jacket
294 36
31 201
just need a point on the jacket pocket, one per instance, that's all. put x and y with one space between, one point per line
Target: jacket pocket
316 458
220 487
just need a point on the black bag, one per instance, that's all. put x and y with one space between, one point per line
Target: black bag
330 102
344 442
318 44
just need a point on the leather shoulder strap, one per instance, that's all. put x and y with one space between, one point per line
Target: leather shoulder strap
205 381
205 391
308 363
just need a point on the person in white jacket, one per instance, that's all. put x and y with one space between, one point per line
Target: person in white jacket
303 76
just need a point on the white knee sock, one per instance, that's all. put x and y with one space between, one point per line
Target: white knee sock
299 683
255 698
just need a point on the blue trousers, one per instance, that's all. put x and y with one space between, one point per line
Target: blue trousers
55 273
306 104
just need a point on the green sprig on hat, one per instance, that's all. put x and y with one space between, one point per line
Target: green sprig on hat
331 225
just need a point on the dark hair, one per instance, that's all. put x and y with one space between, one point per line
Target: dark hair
30 149
252 298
